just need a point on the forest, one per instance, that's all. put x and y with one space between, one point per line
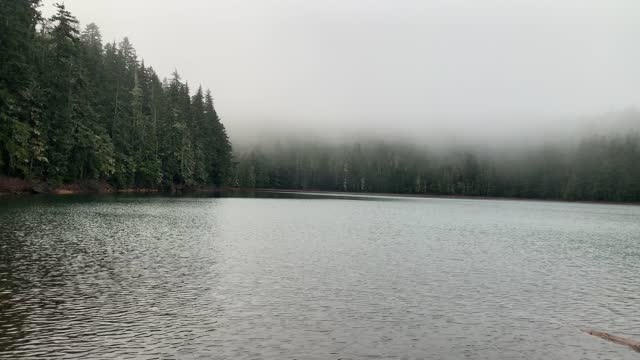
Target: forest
74 109
597 168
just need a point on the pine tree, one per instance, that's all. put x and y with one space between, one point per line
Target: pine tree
22 147
199 136
218 144
63 85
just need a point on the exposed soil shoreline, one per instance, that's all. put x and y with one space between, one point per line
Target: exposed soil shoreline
18 187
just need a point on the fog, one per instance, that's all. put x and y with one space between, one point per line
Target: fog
468 71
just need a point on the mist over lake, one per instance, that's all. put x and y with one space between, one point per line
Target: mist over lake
319 179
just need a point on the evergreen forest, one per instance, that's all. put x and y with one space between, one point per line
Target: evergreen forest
73 108
597 167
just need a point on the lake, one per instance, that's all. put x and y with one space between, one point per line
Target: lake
312 276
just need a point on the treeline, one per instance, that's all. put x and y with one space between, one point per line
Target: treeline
73 109
599 168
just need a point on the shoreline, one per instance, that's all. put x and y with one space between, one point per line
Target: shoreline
12 186
436 196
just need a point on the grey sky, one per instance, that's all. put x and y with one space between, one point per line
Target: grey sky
481 66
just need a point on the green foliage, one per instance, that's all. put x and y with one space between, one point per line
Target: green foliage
72 109
21 149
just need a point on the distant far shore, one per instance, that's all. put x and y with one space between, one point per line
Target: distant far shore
436 196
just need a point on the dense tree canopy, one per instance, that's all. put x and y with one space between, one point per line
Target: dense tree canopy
73 109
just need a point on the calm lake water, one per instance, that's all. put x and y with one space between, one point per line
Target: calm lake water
316 277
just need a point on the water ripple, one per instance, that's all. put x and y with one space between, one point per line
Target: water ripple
311 278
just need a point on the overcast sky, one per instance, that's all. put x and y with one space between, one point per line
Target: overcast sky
477 65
